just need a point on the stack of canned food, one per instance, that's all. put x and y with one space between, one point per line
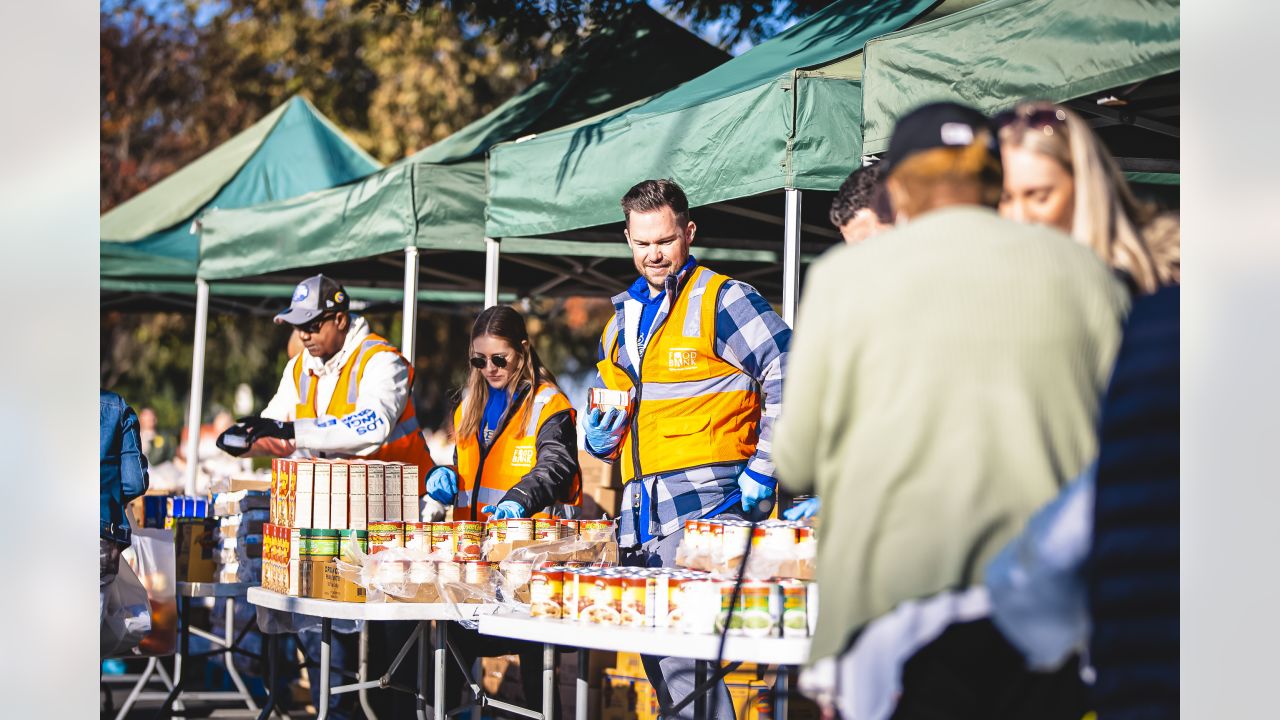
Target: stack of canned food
684 600
728 538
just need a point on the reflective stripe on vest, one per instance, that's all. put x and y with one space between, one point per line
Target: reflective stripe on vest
405 443
693 408
512 454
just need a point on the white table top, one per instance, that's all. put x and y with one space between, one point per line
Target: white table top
214 589
647 641
366 611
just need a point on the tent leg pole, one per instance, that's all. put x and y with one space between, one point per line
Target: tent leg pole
409 326
791 258
492 252
197 385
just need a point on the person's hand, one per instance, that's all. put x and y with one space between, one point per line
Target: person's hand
803 509
442 484
234 441
503 510
260 427
753 492
604 430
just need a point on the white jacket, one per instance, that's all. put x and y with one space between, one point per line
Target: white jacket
384 390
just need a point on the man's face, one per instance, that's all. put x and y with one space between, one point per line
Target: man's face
861 226
324 336
659 245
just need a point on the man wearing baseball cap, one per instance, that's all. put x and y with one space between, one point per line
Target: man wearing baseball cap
347 394
944 384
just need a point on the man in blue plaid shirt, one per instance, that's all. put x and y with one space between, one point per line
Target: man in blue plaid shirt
702 357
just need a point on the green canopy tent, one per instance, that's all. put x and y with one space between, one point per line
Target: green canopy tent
293 150
783 116
1114 61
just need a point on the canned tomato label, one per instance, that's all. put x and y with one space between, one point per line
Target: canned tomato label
635 604
519 529
606 601
443 538
795 608
546 592
476 572
468 534
417 536
546 530
385 535
595 529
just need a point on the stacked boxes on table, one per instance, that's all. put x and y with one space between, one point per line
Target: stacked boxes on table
242 518
319 507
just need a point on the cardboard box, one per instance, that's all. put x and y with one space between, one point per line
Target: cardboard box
604 552
377 497
339 489
358 496
250 482
410 502
195 547
629 664
321 500
339 588
304 485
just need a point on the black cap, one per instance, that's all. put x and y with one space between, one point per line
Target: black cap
314 297
937 125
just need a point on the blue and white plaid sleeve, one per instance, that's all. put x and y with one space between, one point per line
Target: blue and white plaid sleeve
755 339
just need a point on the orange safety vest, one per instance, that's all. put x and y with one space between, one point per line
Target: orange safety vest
485 475
691 408
405 443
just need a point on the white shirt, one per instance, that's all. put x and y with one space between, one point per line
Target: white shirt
383 392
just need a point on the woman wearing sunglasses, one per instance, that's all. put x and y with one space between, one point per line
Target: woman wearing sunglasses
517 445
1057 173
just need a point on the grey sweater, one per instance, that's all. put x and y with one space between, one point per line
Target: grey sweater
945 381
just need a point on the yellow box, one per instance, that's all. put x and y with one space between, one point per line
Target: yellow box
195 544
339 588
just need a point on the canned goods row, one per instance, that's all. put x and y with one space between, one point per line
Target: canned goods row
460 540
729 537
548 529
421 572
684 600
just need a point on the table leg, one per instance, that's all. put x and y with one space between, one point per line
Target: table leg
437 693
363 672
138 687
228 657
781 684
273 655
699 678
477 672
184 645
581 688
441 649
548 681
326 651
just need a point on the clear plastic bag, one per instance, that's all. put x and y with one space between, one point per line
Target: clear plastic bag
151 558
126 614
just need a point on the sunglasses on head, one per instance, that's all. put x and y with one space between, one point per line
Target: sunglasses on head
1036 118
314 326
479 361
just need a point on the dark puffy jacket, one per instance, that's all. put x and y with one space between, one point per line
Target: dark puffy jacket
1133 569
122 474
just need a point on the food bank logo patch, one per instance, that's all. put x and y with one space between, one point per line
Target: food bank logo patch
682 359
522 456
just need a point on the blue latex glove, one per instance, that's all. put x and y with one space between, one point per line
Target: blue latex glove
604 430
503 510
803 509
442 484
753 491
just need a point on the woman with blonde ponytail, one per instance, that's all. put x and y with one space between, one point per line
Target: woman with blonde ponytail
516 446
1057 173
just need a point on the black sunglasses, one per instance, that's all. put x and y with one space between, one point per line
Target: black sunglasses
314 326
479 361
1036 118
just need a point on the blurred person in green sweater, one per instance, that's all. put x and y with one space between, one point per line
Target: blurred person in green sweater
957 392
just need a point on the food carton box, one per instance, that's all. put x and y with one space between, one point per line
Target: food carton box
394 491
410 504
195 547
377 495
321 499
303 489
358 496
339 588
339 493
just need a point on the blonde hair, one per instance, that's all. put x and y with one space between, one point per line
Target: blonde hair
1126 233
503 322
926 177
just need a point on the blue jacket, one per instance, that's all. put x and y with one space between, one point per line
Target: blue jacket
123 467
